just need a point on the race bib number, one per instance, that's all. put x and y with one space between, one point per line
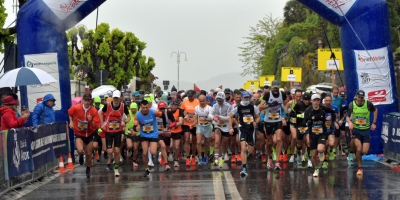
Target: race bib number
114 125
248 119
328 124
160 127
361 120
203 121
293 120
148 128
189 117
83 126
302 130
131 131
273 116
317 130
221 123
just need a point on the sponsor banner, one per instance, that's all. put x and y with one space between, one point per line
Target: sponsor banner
251 85
60 138
341 7
63 8
266 80
325 62
19 154
47 62
42 146
391 133
373 75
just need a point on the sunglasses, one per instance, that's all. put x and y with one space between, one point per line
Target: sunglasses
256 99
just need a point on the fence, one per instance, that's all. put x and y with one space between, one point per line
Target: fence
28 155
391 136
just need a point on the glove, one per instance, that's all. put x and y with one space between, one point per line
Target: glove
172 125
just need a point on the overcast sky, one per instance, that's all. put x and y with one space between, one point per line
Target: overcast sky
208 31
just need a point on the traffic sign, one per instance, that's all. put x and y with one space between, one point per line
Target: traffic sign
266 80
291 74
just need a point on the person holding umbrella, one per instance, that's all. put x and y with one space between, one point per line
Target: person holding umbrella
8 114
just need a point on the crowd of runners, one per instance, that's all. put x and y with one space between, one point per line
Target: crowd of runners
210 128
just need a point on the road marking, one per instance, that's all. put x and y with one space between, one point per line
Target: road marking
233 191
218 187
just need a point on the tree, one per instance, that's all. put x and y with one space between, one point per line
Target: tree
116 52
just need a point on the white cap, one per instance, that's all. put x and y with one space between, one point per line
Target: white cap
293 91
116 93
220 95
315 96
218 89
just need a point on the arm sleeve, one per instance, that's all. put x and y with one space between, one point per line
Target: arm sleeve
170 116
181 113
266 97
126 110
350 110
104 109
164 119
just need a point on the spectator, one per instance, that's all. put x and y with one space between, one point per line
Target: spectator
8 114
44 112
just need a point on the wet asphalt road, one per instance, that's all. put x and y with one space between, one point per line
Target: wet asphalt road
208 182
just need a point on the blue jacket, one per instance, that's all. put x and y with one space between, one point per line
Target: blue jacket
43 114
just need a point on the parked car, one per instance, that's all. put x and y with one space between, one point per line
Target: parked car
321 87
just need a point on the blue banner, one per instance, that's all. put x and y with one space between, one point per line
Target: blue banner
42 145
19 152
391 133
60 138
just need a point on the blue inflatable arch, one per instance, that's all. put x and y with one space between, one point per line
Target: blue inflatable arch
364 32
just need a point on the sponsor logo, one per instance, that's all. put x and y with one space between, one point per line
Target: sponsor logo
16 153
66 7
371 59
31 64
385 132
377 96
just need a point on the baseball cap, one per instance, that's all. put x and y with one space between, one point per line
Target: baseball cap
87 96
220 95
133 105
190 93
275 84
245 94
342 93
360 93
315 96
227 91
136 94
97 99
306 96
116 93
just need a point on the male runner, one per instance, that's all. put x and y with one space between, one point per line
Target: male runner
189 128
203 120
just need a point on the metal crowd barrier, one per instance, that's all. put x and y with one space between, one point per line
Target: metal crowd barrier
47 150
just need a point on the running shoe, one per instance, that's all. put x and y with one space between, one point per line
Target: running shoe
309 164
243 172
277 166
167 167
270 164
129 153
96 156
170 157
274 155
135 164
325 165
360 172
88 173
233 158
303 158
216 162
147 173
187 161
331 156
264 158
291 160
194 160
285 158
221 162
176 163
116 172
161 159
109 167
281 158
205 160
226 157
150 163
316 173
200 161
81 159
105 156
239 157
350 159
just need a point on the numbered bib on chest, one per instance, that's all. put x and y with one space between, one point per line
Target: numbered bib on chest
83 126
361 120
248 119
317 130
328 124
189 117
273 116
131 132
114 125
203 120
293 120
303 130
148 128
221 123
160 126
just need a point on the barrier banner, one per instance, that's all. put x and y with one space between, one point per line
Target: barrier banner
391 132
19 159
60 139
42 145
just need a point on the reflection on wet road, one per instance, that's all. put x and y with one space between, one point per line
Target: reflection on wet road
205 182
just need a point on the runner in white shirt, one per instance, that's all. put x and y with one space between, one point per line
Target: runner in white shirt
203 119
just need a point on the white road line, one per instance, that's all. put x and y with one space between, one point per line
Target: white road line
233 191
218 187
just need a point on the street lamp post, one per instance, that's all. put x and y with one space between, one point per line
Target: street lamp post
178 61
